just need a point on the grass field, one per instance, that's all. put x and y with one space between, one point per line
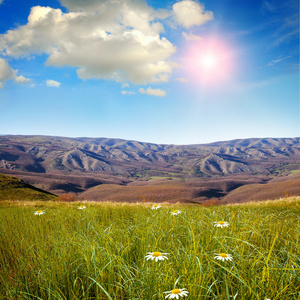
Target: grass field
13 188
99 252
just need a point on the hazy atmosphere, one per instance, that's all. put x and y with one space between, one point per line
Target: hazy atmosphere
173 72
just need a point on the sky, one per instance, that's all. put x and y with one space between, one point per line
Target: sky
166 72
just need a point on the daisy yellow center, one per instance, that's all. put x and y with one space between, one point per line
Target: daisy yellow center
155 205
175 211
221 223
223 255
176 291
39 211
156 254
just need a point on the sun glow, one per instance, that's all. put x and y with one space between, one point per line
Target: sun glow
209 61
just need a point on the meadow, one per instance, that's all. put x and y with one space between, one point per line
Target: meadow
100 252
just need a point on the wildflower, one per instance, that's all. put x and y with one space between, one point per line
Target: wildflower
175 212
39 212
221 224
156 255
156 206
176 293
223 256
81 207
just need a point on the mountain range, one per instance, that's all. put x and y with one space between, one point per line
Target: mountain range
61 164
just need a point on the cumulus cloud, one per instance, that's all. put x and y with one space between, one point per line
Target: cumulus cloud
8 73
21 79
152 92
191 37
52 83
105 39
189 13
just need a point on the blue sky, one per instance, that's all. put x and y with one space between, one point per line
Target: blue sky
171 72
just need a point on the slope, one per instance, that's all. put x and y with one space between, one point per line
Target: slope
12 188
285 186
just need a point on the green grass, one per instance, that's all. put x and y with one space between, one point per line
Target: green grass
99 253
12 188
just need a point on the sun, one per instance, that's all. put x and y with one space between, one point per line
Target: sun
209 61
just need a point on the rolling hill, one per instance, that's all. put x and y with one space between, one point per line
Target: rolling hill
282 187
12 188
42 154
197 172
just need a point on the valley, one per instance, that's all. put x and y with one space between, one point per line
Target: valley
103 169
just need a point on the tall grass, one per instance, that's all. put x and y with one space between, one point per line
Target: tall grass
99 252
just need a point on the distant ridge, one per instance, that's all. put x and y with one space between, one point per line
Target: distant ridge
258 142
44 154
62 164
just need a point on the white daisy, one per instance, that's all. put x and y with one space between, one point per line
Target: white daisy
175 212
223 256
39 212
156 206
156 255
176 293
221 224
81 207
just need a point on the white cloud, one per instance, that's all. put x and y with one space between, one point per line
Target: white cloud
22 80
152 92
8 73
125 85
52 83
182 79
105 39
191 37
128 93
189 13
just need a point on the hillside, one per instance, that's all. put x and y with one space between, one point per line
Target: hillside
281 187
57 182
132 159
12 188
191 172
188 191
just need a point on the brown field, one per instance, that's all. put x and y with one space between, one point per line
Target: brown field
222 190
58 182
259 192
205 191
117 193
